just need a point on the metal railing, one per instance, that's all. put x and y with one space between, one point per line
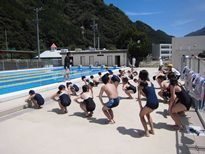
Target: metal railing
15 64
197 65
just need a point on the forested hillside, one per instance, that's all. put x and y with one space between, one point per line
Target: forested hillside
69 24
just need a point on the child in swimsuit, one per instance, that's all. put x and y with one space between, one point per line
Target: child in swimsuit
36 99
146 88
86 101
63 98
128 88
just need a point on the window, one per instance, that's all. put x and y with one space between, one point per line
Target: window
165 52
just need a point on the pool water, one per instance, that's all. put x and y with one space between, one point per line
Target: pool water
12 81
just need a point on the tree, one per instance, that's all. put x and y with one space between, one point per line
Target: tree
138 47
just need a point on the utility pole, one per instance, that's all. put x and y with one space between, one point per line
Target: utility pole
37 31
6 39
98 42
94 27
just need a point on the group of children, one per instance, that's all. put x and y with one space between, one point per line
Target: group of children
170 90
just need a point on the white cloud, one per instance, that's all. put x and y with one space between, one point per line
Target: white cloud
141 13
182 22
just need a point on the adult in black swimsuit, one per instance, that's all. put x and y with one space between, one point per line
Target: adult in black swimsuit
180 101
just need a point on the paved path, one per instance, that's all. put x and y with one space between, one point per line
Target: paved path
45 131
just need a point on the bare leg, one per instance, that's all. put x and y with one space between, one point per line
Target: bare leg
107 113
63 109
35 104
83 107
174 114
150 124
144 112
128 92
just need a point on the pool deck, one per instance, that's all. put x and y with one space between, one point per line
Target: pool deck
45 131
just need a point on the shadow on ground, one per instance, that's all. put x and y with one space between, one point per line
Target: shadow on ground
163 113
136 133
56 110
101 121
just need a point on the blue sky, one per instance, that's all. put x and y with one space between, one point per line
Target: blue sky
175 17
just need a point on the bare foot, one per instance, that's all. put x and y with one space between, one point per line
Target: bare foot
176 127
146 133
151 132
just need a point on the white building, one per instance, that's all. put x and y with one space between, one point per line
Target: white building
98 57
161 50
186 46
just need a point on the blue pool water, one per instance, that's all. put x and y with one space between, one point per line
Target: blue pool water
12 81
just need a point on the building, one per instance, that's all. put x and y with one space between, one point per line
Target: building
188 46
161 50
98 57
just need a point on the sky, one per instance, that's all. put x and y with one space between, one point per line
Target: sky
174 17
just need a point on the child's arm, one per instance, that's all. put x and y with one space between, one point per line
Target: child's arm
100 96
77 99
139 97
53 97
29 98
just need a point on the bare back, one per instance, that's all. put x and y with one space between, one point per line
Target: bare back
110 90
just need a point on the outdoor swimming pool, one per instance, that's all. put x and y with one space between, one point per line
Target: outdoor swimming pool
12 81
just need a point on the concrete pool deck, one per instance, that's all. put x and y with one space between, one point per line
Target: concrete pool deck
45 131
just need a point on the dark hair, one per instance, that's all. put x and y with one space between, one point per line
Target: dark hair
85 88
162 77
173 81
68 54
115 78
135 80
171 75
31 92
68 83
105 78
83 77
144 75
61 87
99 73
91 76
125 80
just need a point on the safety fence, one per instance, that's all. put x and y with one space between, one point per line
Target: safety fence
15 64
193 73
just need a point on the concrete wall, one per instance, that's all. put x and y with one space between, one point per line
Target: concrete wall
158 49
186 46
155 51
98 57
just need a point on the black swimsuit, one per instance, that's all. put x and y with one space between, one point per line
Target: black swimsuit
90 104
131 87
184 98
39 99
64 99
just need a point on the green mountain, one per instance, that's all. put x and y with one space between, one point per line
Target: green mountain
153 36
197 33
68 24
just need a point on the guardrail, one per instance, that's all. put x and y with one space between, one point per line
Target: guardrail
197 65
15 64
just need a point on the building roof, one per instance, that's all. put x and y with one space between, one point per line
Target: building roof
53 45
51 54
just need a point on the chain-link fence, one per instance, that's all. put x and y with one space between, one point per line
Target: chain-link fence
14 64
